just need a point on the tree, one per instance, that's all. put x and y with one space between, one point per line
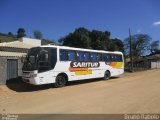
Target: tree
10 34
116 45
140 44
84 38
37 34
100 40
79 38
154 46
21 33
94 39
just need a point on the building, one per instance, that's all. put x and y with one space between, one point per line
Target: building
10 57
151 61
154 60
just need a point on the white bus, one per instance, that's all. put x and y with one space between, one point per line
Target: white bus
60 64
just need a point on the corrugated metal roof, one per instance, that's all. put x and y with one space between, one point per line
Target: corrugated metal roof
11 54
16 44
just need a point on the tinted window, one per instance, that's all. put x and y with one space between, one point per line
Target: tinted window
63 55
106 57
120 58
53 57
99 57
86 56
113 58
116 58
93 57
72 55
43 65
80 56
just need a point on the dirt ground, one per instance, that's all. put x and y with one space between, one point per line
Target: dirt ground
129 93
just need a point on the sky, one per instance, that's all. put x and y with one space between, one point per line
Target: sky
57 18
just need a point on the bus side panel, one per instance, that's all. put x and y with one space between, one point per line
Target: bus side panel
63 67
79 74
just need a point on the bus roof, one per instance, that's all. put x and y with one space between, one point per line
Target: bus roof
81 49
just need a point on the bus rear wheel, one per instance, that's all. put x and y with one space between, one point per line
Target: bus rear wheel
60 81
107 75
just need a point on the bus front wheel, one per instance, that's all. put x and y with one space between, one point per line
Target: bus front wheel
107 75
60 81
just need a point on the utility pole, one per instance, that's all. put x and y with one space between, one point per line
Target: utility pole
131 52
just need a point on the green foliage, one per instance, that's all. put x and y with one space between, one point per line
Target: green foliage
10 34
98 40
21 33
117 45
140 44
10 37
154 46
80 38
2 34
7 37
37 34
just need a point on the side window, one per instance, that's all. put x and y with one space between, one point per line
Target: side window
116 58
80 56
119 58
106 57
43 64
86 56
99 57
71 55
93 57
113 58
63 55
53 57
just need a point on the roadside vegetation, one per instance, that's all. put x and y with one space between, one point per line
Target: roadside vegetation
10 37
142 44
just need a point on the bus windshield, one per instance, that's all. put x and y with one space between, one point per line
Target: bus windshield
40 59
33 55
31 59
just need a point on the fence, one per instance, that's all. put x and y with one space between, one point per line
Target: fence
155 65
138 66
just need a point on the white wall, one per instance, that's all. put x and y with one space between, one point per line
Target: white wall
31 41
155 64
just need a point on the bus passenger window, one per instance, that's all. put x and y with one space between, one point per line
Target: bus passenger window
63 55
106 57
119 58
113 58
93 57
86 56
99 57
80 56
72 55
116 58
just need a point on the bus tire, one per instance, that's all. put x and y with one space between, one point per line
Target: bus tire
60 81
107 75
